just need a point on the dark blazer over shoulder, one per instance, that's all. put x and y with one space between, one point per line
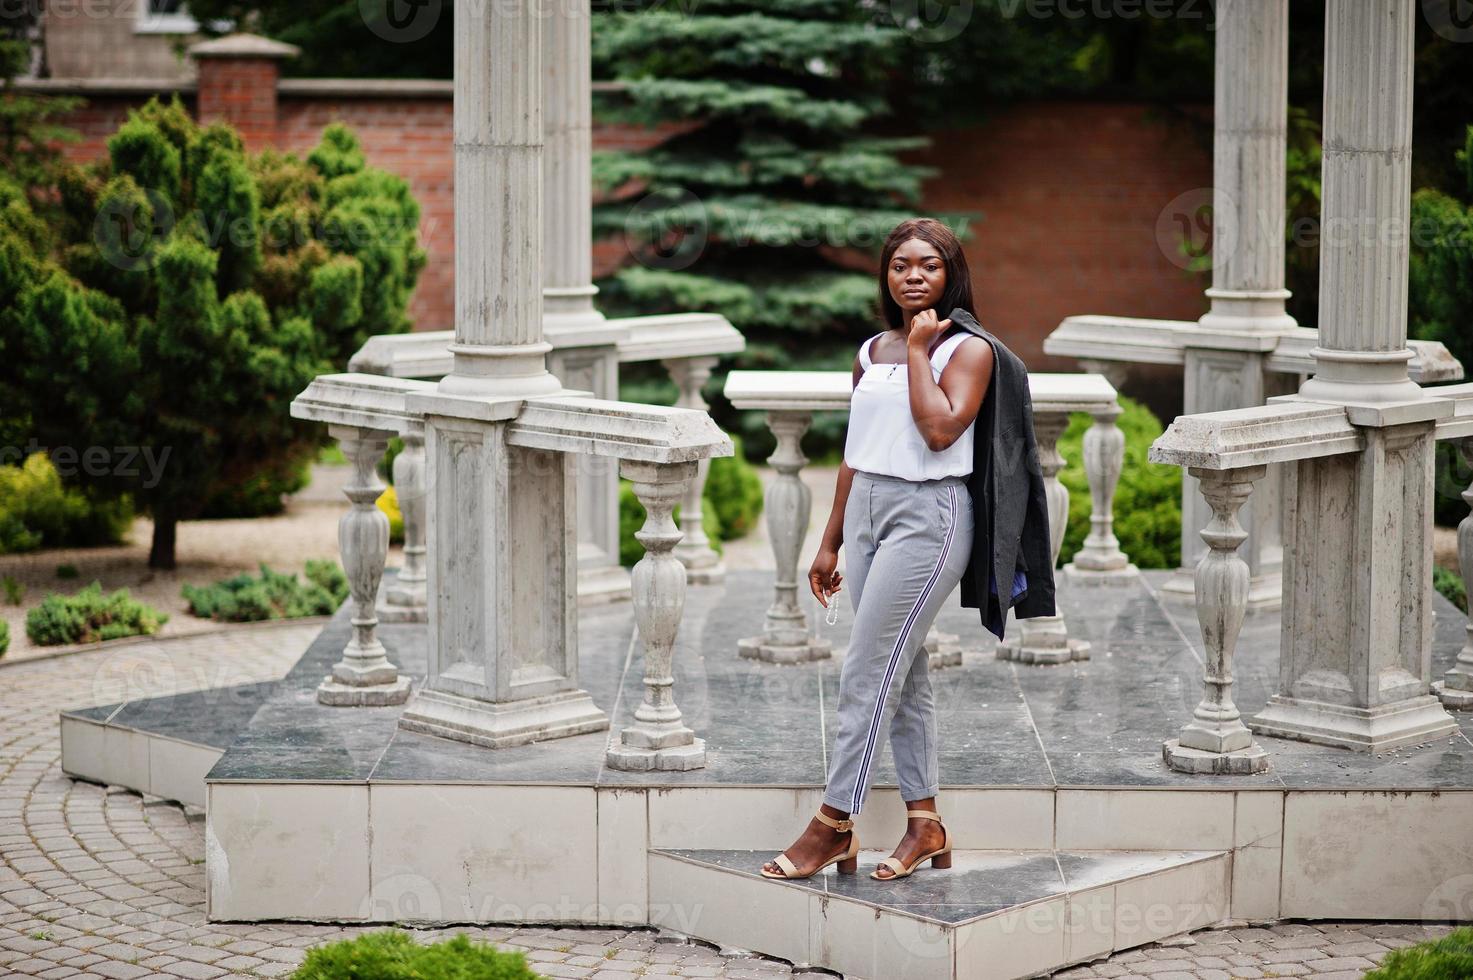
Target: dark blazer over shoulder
1009 504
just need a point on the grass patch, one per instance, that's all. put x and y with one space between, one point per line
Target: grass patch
393 955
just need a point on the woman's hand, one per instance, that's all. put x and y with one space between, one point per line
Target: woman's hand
823 576
924 329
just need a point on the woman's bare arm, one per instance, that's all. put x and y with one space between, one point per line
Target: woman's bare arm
943 411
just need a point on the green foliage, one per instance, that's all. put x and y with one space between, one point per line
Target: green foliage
262 493
38 511
392 954
273 595
1447 958
733 502
1147 499
32 141
1450 584
4 637
15 592
195 290
67 571
90 616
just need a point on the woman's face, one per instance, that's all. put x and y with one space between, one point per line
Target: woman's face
917 276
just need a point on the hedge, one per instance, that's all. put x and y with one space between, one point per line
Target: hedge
90 616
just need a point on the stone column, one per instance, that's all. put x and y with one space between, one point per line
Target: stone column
789 504
503 652
1216 740
406 601
1099 561
702 564
1455 690
1045 639
1225 358
658 739
364 677
586 355
1355 647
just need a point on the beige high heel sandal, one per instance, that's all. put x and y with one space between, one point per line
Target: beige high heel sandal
940 858
848 858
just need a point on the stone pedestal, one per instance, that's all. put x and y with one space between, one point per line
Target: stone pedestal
503 666
364 677
1216 740
789 504
405 601
658 739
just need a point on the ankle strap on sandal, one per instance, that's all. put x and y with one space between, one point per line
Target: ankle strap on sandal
927 814
839 825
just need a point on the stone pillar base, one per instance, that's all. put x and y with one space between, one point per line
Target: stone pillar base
1264 591
1453 698
760 648
673 758
338 695
1075 576
1240 762
942 649
1025 651
1374 730
498 725
602 583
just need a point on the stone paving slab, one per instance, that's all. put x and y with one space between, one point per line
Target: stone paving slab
100 882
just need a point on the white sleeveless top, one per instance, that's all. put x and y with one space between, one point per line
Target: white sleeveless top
883 437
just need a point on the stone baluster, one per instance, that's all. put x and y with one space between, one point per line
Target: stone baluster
658 739
789 503
405 601
1216 740
702 564
364 676
1455 690
1099 561
1045 639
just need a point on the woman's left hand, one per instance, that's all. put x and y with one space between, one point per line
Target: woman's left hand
924 329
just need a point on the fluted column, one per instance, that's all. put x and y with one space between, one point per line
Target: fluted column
658 739
499 349
702 563
405 601
1045 639
364 676
1099 560
1216 740
789 504
1455 690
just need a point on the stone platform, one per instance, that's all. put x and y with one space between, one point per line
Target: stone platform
1072 835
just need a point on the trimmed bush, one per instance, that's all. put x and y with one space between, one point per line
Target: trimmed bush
4 637
392 954
37 511
246 598
90 616
1147 499
1447 958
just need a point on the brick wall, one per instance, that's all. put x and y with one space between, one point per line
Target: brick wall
1069 195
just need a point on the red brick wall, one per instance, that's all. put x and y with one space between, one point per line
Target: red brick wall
241 92
1069 194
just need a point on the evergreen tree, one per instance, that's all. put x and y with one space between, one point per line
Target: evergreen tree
195 290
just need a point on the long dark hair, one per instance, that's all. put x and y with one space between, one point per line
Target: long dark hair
958 291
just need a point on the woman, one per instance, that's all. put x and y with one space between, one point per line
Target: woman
903 509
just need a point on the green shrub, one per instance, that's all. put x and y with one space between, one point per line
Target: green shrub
1450 584
38 511
15 592
4 637
1147 499
392 955
1447 958
67 571
90 616
246 598
263 493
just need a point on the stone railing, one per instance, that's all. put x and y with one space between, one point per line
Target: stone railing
687 344
659 450
789 399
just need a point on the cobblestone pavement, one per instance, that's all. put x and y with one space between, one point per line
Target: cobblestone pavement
100 882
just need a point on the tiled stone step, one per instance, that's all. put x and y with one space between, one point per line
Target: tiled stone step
994 914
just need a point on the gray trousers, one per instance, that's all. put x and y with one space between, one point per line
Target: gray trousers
906 545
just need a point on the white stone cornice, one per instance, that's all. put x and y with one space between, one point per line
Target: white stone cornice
656 338
365 401
1273 433
647 433
790 391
